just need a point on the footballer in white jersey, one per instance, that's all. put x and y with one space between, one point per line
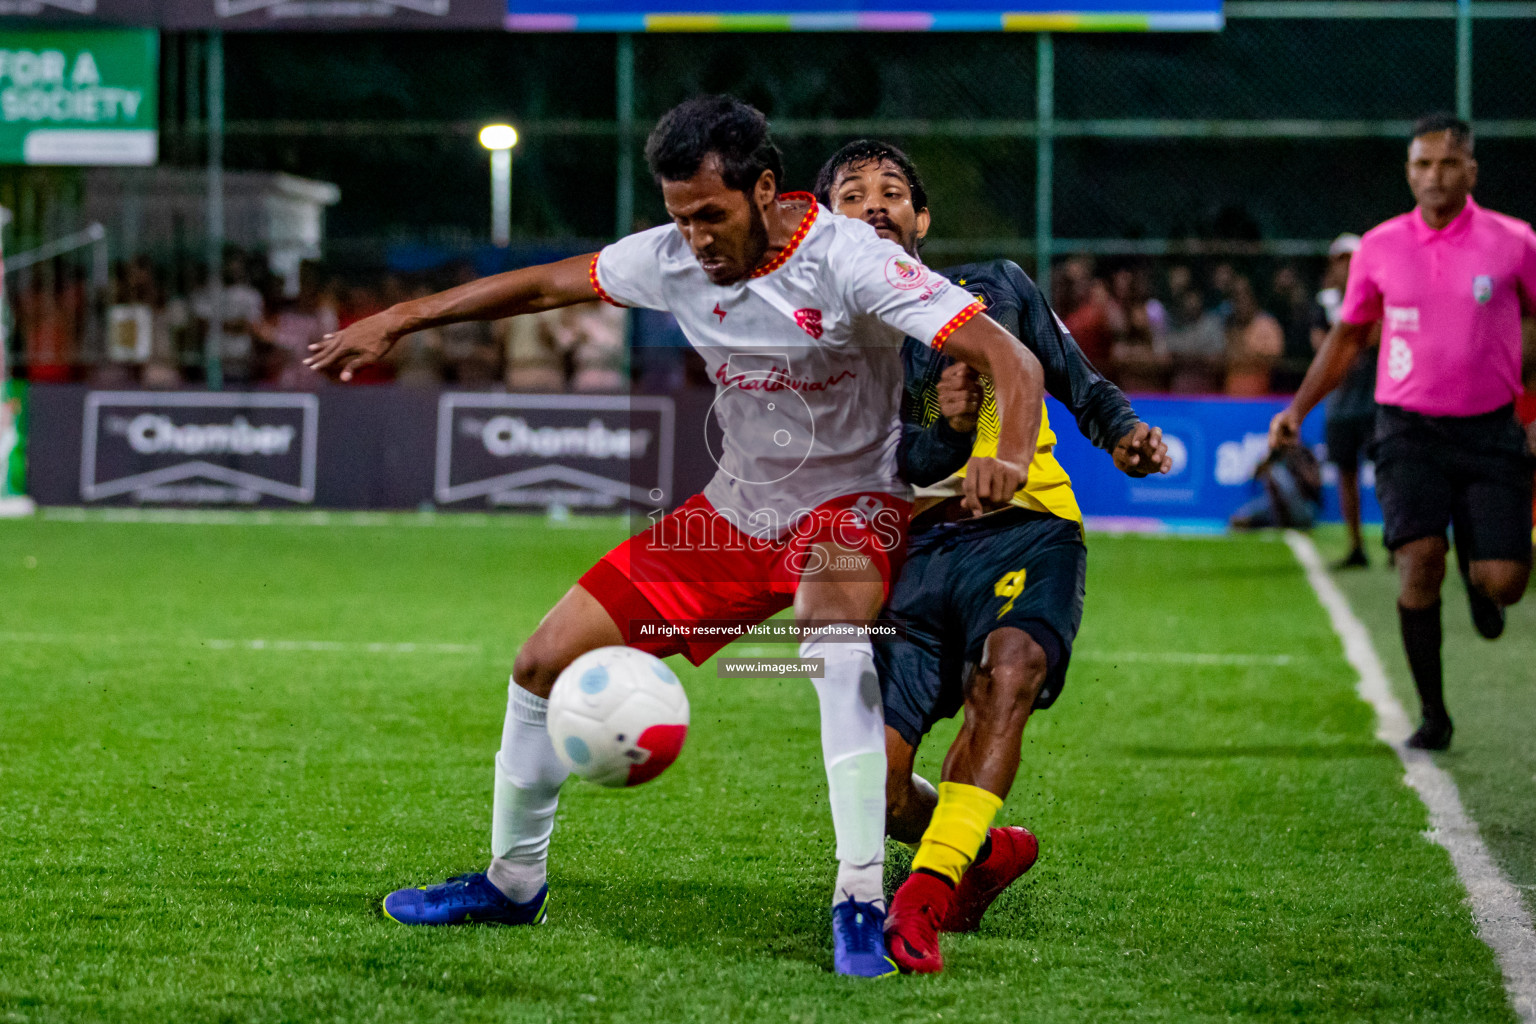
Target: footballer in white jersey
800 316
805 351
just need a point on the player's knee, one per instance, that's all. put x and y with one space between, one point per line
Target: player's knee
1019 681
1007 683
537 665
1505 582
1426 574
857 601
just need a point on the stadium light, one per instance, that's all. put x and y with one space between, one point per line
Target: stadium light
499 139
498 136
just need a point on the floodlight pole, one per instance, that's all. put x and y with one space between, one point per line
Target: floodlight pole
1045 157
624 192
499 139
501 197
1464 59
213 345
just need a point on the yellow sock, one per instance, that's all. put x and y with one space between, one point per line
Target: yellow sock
958 829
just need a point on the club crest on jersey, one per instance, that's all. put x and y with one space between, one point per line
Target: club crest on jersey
1482 288
905 273
809 321
1402 318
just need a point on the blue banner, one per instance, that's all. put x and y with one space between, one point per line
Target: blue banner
1216 444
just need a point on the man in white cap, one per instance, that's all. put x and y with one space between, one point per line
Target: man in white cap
1351 409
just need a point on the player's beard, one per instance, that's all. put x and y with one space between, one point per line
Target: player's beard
753 247
757 239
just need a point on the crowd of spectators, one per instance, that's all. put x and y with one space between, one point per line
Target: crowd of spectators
1170 327
1218 331
158 322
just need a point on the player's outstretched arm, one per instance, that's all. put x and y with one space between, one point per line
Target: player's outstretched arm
1340 350
1018 384
529 290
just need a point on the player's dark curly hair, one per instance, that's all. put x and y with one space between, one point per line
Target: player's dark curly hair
735 132
863 151
1442 121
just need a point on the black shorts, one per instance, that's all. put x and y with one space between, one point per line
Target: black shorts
1347 437
960 582
1472 473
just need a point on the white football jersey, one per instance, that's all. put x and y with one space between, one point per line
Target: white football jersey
805 355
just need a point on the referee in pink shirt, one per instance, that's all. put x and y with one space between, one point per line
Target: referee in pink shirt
1448 282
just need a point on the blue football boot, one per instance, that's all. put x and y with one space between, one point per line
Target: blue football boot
467 899
858 940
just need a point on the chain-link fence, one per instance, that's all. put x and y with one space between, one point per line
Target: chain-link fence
1251 147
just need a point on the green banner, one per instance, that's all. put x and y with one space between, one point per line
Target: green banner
79 98
13 439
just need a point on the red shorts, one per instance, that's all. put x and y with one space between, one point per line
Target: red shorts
694 566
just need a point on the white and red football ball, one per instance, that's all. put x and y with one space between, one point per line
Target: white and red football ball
617 716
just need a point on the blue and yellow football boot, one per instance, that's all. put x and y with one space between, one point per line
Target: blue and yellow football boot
467 899
858 940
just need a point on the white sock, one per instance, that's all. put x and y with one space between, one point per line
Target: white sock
853 748
528 779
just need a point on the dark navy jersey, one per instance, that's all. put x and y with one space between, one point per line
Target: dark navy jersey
931 452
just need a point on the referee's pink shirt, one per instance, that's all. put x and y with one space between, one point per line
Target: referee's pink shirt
1449 302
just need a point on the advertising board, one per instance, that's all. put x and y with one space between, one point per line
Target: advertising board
83 97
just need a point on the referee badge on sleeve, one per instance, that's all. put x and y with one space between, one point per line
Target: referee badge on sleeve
1482 288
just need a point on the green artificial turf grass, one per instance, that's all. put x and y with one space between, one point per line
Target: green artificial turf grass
1490 689
194 833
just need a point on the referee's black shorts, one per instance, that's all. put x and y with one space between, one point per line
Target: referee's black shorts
1347 438
1470 473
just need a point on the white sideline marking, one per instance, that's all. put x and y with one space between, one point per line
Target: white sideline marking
257 644
1158 657
1502 920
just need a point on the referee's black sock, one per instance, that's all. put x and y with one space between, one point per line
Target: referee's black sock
1421 640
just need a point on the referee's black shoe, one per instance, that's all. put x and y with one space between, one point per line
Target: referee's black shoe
1487 614
1354 560
1432 734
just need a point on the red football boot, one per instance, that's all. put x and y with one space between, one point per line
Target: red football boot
1014 850
912 926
